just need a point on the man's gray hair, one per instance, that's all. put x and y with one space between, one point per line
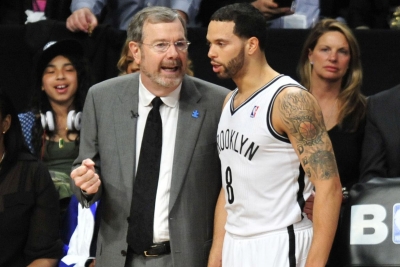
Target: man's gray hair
153 14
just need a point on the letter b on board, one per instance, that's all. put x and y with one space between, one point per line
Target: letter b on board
367 226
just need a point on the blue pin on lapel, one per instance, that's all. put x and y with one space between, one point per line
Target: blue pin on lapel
195 114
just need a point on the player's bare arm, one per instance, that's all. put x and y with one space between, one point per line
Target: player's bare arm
303 123
215 257
297 115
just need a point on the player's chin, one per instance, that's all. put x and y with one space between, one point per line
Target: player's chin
223 75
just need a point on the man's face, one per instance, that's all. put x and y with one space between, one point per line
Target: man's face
161 71
226 51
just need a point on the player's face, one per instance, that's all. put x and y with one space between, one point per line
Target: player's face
60 81
330 57
161 71
226 49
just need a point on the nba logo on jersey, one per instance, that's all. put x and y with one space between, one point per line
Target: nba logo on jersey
254 111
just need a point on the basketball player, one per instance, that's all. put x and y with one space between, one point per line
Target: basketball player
271 129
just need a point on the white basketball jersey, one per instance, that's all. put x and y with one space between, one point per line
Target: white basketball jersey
265 185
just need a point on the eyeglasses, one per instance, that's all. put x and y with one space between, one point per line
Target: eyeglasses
162 47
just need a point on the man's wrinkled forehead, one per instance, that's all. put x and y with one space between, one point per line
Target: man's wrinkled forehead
155 29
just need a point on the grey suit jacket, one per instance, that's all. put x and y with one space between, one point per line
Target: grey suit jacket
108 137
381 146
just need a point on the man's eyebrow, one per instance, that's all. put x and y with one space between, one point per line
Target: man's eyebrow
219 40
165 40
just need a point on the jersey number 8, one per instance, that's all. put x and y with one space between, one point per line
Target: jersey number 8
229 188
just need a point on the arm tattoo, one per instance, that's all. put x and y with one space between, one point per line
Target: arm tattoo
301 115
323 164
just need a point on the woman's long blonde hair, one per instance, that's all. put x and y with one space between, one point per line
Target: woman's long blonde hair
350 98
123 62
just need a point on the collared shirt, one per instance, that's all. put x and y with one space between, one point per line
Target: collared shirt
169 115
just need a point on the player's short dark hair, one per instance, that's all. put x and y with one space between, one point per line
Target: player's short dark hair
249 21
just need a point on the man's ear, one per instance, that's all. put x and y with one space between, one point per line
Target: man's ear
253 44
134 47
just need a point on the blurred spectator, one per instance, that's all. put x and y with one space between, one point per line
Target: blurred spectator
126 63
371 14
87 14
395 19
381 146
334 9
51 127
79 234
15 11
269 8
307 12
305 16
29 211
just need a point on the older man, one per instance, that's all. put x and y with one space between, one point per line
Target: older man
157 196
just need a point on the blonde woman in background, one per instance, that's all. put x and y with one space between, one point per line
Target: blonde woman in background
126 64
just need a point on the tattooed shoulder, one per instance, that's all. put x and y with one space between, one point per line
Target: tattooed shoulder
301 114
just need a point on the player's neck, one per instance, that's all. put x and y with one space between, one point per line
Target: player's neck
253 80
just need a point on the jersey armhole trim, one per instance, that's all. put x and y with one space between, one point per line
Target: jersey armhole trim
271 129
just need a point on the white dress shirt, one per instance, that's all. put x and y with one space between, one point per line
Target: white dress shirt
169 115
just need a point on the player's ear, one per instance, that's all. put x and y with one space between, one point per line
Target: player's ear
252 44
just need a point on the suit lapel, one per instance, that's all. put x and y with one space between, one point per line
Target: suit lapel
186 135
126 105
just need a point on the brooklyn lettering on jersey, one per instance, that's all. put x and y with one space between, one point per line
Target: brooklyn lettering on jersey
237 142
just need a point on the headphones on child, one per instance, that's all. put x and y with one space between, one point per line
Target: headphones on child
73 120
